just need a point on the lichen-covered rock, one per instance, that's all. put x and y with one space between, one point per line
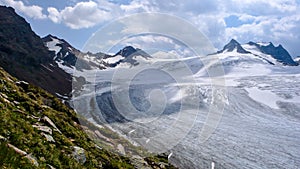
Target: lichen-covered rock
48 137
32 159
49 121
79 154
43 128
121 149
139 162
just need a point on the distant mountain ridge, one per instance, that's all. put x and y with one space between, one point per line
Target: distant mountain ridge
280 54
71 57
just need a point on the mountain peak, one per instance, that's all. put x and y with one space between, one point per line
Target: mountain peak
280 46
232 46
233 41
130 51
49 38
126 51
49 35
271 44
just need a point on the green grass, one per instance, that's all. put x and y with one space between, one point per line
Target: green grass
10 159
32 103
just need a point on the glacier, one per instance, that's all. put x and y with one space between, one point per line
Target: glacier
247 118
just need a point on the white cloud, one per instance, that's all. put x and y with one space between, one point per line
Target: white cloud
33 11
258 7
82 15
173 6
136 6
54 15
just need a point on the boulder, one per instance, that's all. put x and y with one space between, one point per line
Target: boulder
45 129
79 154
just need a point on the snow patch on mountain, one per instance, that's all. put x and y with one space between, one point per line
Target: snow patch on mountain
68 69
263 43
112 60
52 45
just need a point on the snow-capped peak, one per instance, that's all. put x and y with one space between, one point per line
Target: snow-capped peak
266 52
233 45
126 51
130 51
128 56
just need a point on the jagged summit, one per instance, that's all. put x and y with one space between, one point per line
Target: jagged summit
130 51
277 52
126 51
128 55
232 46
263 50
49 37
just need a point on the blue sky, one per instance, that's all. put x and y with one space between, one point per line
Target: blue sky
277 21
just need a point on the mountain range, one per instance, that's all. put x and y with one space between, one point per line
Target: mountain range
48 62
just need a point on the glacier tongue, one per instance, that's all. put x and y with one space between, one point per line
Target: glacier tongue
251 133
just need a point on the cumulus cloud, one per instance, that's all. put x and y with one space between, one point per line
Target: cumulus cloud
33 11
173 6
54 15
138 6
82 15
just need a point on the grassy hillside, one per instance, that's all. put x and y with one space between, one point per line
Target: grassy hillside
38 131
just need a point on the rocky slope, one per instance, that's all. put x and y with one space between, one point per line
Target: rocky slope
23 54
38 131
